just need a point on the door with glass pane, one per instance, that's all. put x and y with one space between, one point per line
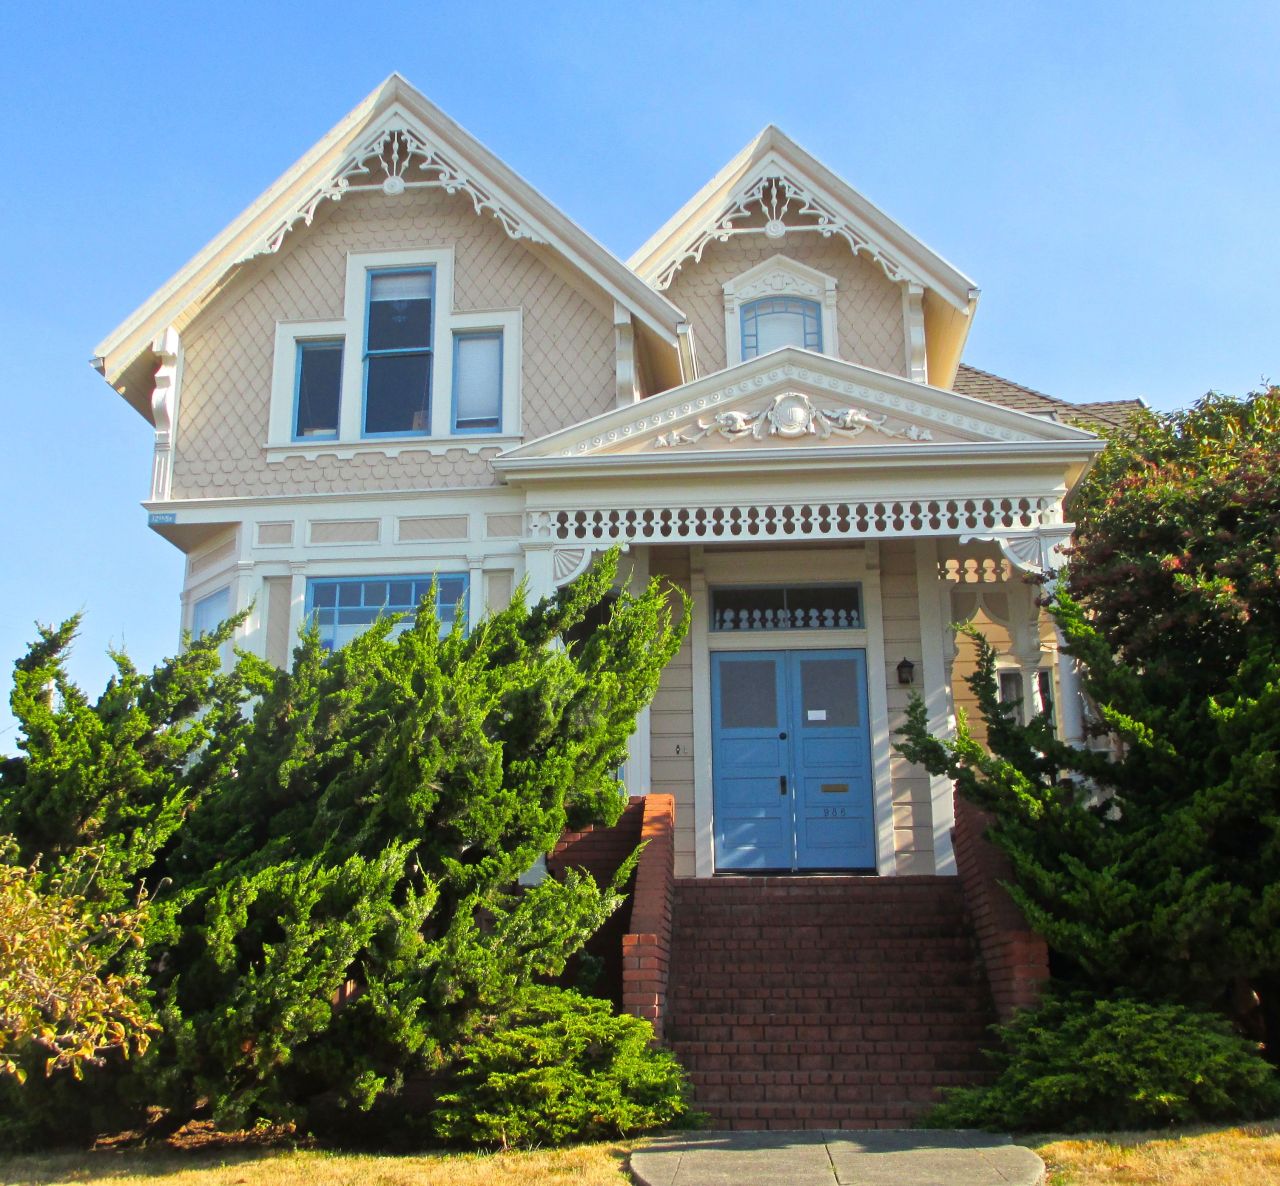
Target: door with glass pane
791 769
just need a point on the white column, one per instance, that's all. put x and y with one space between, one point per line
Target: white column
1070 708
475 591
703 841
538 573
878 714
639 745
297 602
934 691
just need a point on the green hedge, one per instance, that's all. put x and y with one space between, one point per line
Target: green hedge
565 1068
1082 1062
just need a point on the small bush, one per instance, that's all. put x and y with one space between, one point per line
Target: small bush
565 1068
1083 1062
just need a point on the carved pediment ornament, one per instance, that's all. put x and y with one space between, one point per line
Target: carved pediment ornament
776 205
791 416
390 161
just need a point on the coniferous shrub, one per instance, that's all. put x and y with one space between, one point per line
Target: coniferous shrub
563 1068
332 851
1150 860
1081 1062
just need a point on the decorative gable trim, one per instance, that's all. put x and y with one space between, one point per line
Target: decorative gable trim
773 187
395 157
775 203
788 397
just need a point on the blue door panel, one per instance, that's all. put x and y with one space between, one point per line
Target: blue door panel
791 761
753 828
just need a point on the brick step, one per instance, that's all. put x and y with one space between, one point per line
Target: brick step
832 1019
804 984
871 1088
890 1056
868 974
734 955
762 1116
886 1081
833 935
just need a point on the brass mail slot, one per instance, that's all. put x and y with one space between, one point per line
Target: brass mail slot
835 788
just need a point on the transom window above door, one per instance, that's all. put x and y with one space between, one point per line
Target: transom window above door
774 322
786 607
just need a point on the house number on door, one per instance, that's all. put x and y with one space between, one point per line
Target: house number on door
832 812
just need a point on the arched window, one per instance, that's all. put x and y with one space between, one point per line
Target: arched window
773 322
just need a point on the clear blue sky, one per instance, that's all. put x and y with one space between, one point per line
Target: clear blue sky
1106 172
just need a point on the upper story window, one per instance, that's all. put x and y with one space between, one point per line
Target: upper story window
777 303
397 356
344 607
319 385
400 364
774 322
477 382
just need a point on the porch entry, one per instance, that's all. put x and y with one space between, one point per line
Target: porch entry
791 764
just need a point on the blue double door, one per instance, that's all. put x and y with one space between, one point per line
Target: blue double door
791 761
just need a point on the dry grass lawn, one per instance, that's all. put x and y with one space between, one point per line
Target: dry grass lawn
587 1165
1248 1156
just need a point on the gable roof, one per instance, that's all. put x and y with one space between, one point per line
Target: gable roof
1004 392
832 208
443 154
650 436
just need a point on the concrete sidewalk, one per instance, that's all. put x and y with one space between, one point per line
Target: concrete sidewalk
897 1157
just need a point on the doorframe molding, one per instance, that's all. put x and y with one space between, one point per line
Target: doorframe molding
716 567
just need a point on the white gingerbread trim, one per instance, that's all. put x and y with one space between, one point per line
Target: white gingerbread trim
1039 553
164 410
391 159
779 276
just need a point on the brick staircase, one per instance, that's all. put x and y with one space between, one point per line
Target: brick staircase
824 1002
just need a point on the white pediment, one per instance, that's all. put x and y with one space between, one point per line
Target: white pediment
793 400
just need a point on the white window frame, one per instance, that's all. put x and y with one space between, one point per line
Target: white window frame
779 276
351 329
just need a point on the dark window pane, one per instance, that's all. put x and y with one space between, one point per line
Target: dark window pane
375 593
349 593
1010 686
324 593
829 692
401 594
748 697
399 325
399 311
319 385
397 393
779 607
747 609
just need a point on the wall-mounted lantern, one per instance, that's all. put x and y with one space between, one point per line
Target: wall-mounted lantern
906 673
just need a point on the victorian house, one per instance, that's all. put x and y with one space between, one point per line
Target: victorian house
403 363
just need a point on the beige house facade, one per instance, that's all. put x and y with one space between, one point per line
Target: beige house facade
402 362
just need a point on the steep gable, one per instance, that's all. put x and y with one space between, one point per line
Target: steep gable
394 142
776 193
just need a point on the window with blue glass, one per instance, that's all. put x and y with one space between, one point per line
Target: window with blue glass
209 613
398 347
344 607
773 322
318 389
